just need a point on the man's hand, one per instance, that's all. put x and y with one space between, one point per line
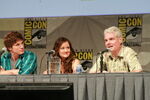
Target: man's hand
9 72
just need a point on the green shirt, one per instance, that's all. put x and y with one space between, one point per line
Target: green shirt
27 62
126 61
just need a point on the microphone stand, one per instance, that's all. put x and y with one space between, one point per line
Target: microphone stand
101 62
101 59
49 59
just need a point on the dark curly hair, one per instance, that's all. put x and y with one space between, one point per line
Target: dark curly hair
11 38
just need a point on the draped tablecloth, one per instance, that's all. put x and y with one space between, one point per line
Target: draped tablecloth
108 86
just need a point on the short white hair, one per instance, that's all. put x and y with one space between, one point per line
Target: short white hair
114 30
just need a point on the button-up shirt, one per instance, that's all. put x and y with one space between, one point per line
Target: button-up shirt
126 61
26 63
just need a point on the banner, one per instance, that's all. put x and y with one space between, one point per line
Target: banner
86 57
35 29
84 54
86 34
131 27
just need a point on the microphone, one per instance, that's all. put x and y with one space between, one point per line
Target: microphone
3 50
51 52
105 50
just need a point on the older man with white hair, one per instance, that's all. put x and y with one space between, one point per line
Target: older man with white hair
118 58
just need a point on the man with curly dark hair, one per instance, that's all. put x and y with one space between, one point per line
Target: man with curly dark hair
16 60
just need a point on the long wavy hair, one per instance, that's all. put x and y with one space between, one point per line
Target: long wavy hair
68 61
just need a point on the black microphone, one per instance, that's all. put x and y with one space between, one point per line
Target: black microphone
105 50
51 52
101 57
2 51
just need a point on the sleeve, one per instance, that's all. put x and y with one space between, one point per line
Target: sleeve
0 61
29 64
133 61
96 65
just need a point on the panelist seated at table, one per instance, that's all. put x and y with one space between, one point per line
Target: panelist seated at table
64 50
118 58
15 60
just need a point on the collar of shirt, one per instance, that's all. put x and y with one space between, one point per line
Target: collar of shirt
120 54
8 55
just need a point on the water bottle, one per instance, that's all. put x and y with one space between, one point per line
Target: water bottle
79 69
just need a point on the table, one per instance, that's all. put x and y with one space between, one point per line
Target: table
104 86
